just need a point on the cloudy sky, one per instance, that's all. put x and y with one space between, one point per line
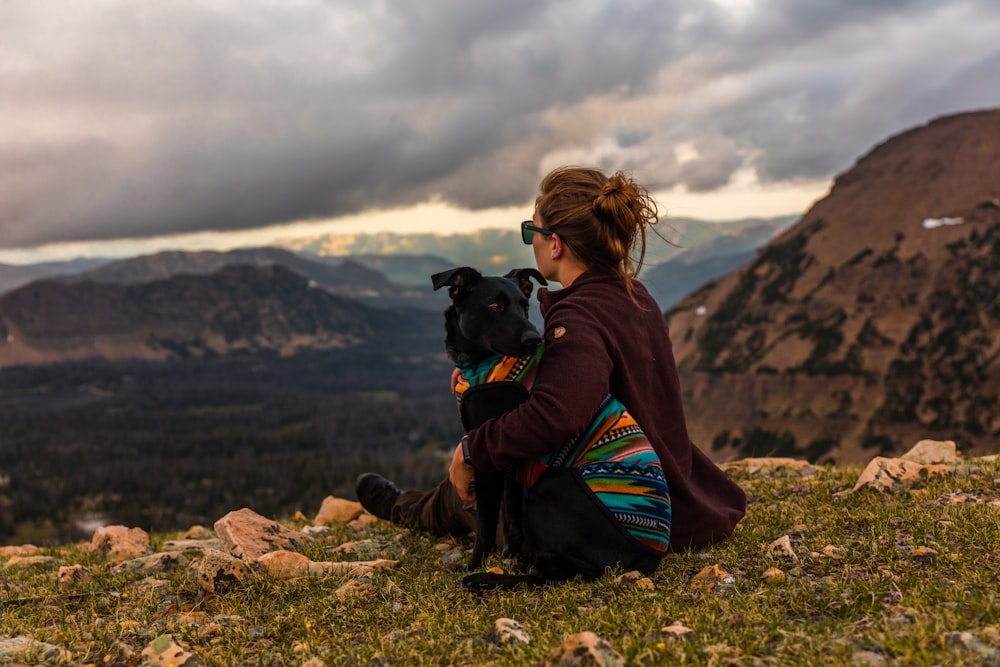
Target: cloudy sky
128 119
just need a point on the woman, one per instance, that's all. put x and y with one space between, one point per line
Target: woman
604 335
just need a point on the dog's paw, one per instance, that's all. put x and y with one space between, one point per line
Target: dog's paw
487 581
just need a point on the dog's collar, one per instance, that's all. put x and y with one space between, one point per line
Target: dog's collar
497 368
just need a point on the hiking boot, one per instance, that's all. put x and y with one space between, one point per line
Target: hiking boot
376 494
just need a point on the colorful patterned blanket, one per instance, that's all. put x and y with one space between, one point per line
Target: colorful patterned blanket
612 455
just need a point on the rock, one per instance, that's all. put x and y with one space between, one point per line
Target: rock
154 563
585 648
362 548
359 589
868 659
770 465
337 510
508 631
886 474
199 533
218 572
782 547
165 651
73 575
191 545
832 552
16 650
315 531
30 562
930 452
773 576
364 521
290 565
19 550
120 543
984 653
248 536
635 579
676 629
710 579
924 554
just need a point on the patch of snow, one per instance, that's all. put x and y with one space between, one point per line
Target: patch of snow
931 223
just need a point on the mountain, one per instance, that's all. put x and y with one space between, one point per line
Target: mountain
258 309
869 324
13 276
674 279
344 276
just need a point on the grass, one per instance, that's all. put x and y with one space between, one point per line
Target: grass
863 590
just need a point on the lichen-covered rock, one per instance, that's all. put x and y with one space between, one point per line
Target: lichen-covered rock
248 535
73 575
337 510
585 648
218 572
120 543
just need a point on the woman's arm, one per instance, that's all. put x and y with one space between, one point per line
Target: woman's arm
573 378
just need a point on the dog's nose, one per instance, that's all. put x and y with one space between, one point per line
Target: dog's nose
531 338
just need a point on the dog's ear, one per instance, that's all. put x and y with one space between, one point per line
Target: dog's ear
523 279
459 280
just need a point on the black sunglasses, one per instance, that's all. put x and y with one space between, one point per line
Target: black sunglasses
528 231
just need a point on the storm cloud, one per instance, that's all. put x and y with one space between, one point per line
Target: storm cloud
142 119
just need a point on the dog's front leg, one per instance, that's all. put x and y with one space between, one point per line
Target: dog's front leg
513 518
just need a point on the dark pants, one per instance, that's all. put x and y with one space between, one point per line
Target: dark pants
439 511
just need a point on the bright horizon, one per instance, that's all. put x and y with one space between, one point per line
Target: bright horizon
740 201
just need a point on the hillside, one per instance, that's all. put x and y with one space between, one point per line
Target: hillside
812 576
872 319
267 309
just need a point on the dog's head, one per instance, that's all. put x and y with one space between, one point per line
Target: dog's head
488 314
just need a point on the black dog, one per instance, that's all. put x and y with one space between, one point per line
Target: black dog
598 501
488 322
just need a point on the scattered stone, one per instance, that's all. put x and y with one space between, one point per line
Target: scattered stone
397 636
635 579
154 563
198 532
337 510
442 547
192 546
452 557
984 653
248 535
585 648
15 650
364 521
19 550
30 562
120 543
773 466
773 576
508 631
832 552
218 572
782 547
924 554
930 452
150 584
315 531
73 575
361 548
711 579
868 659
357 589
165 651
676 629
289 565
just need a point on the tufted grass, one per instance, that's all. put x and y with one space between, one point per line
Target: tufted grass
875 596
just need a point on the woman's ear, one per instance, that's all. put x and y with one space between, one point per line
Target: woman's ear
557 247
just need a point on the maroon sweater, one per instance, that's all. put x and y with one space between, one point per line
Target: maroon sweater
598 341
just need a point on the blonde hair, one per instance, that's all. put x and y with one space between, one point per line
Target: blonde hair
602 219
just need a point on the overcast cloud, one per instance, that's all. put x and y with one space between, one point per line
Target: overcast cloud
135 119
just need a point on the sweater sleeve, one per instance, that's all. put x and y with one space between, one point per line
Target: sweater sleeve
573 378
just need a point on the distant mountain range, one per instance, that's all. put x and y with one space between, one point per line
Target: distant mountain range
870 324
267 309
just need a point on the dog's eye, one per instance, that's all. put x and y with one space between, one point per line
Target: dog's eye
496 306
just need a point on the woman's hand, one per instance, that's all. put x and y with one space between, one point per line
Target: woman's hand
462 476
